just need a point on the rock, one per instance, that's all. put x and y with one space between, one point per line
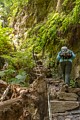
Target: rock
63 106
67 96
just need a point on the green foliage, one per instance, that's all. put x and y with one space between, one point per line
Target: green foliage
76 11
72 83
20 59
68 5
19 65
47 33
22 78
6 74
65 2
10 9
50 35
2 74
47 36
5 43
66 22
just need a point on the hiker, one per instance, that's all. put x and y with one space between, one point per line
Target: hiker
65 57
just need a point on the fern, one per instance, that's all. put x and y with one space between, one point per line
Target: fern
76 13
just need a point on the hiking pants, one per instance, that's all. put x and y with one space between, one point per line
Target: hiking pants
66 67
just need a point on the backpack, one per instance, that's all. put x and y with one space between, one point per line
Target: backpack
66 54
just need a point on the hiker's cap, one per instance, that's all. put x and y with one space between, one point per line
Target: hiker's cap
64 48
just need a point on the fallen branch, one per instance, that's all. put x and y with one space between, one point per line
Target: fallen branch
5 93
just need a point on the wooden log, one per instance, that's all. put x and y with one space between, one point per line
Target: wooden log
11 109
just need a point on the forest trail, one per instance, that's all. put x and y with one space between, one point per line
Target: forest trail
60 103
63 103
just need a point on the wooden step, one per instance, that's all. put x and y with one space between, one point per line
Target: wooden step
66 117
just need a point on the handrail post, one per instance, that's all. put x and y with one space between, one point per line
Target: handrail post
49 106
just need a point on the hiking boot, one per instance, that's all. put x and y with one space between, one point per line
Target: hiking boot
66 87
